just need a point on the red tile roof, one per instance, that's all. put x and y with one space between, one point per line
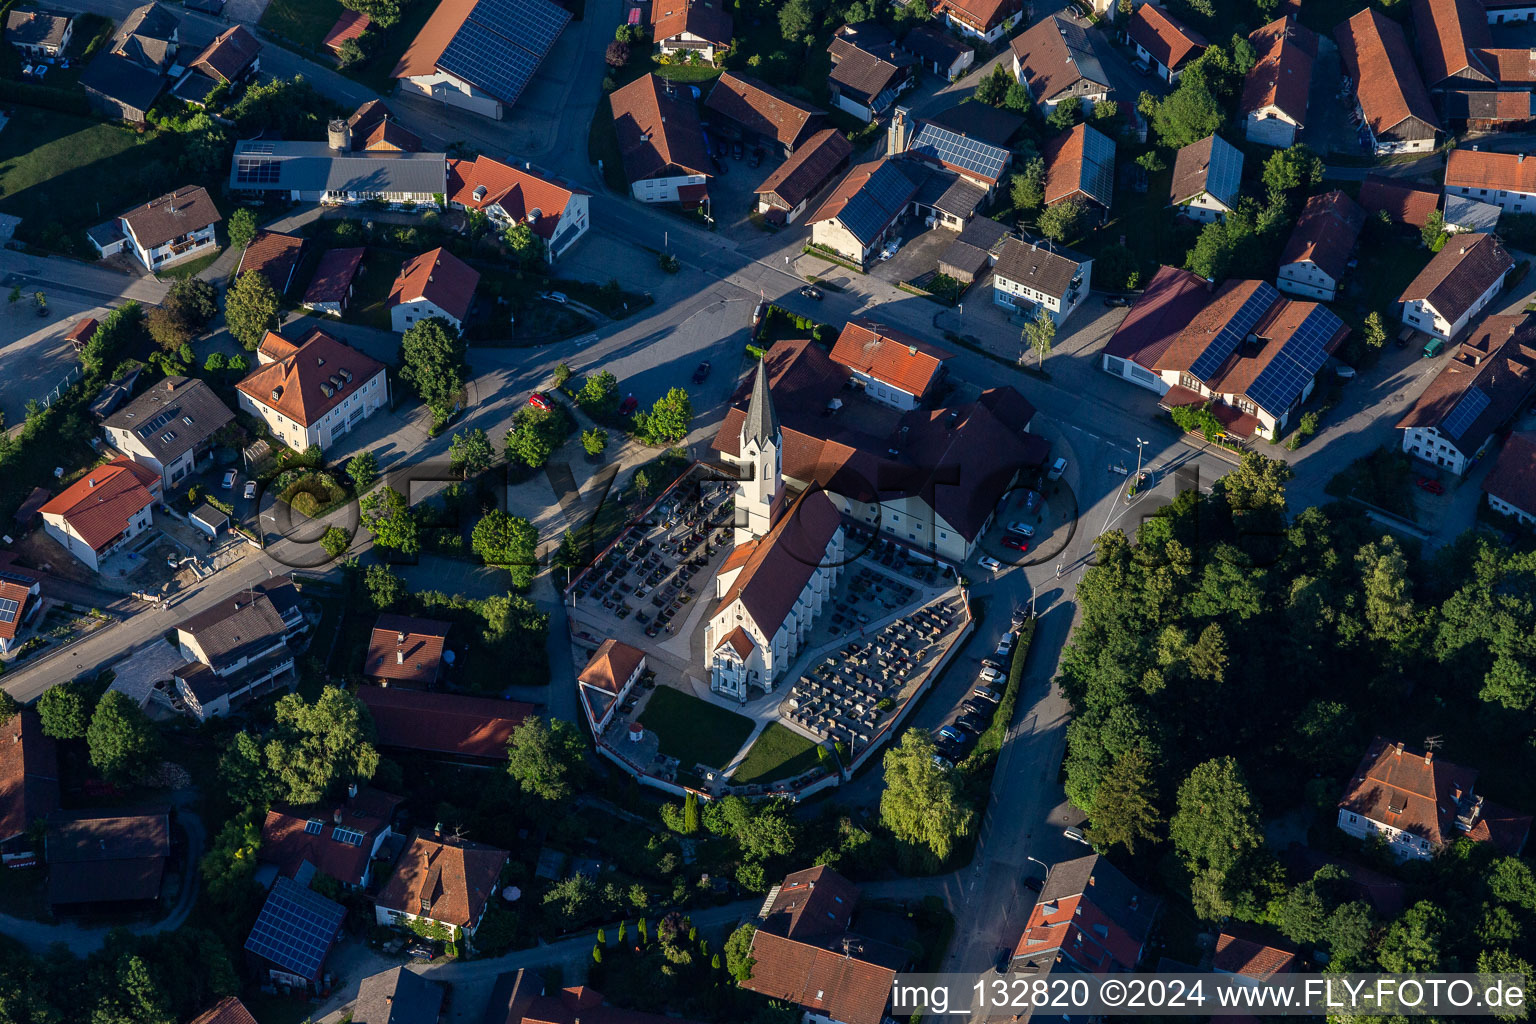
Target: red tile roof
174 214
1282 77
229 55
441 278
448 881
784 559
229 1010
517 191
808 168
83 331
349 25
762 109
1406 202
1067 170
889 356
657 129
984 15
300 376
835 986
611 665
1378 60
1092 914
1447 32
100 504
443 723
1325 233
702 18
421 57
287 842
29 774
1513 476
1251 958
1168 303
418 658
1048 66
810 903
1508 66
333 277
1170 42
272 255
740 642
1474 168
21 595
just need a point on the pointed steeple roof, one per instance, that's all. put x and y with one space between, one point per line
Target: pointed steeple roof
762 422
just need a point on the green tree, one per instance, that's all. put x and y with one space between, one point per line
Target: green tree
1413 943
1125 807
594 441
993 88
316 748
1375 333
1348 935
795 19
1028 188
1017 98
250 309
1502 961
534 436
690 814
922 804
363 469
335 541
599 393
572 901
238 363
433 363
1214 830
384 588
1039 335
561 375
1433 233
667 422
386 514
1065 114
738 952
215 362
1063 221
568 555
229 866
1256 486
122 740
63 712
762 829
1287 170
471 453
117 335
1324 730
1187 115
383 13
243 770
547 758
241 226
501 538
526 247
350 52
9 706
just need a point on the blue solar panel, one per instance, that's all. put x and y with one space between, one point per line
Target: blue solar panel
1281 382
8 609
1224 176
1467 410
1236 329
1098 178
501 44
296 928
877 202
981 158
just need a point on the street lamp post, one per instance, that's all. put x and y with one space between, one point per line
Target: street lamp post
1139 444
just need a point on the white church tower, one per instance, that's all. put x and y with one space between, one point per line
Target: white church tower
760 488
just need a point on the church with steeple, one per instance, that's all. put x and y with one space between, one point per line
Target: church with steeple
788 554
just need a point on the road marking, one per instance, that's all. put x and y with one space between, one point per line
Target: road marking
585 339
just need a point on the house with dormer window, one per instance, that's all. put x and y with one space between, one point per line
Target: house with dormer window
1089 918
441 879
313 392
341 842
169 428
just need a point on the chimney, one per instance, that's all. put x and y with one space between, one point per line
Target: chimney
400 636
1399 750
1456 794
437 830
351 791
93 481
389 1000
1429 755
400 656
336 816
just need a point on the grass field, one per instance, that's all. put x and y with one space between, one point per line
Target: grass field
303 22
778 753
694 730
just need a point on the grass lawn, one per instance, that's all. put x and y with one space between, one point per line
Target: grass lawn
694 730
603 144
302 22
375 277
190 268
1148 228
777 753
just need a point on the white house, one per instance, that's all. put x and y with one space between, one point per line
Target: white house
442 879
332 173
892 367
303 842
509 195
1459 281
988 20
37 33
169 427
1390 98
239 648
1207 179
1511 483
859 214
691 26
661 142
434 284
1275 90
315 392
1056 60
1504 180
1321 247
175 227
1031 276
609 677
1164 42
19 589
102 511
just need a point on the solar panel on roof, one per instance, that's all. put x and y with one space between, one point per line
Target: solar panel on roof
1225 173
1467 410
501 44
876 203
256 170
1098 166
1236 329
296 928
1283 380
8 609
959 151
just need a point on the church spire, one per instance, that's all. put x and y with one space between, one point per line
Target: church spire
762 422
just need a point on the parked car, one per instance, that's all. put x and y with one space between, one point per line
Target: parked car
1032 883
1021 528
985 693
954 735
1076 835
40 71
1141 67
989 673
989 563
1116 300
421 951
629 405
250 489
1017 543
229 479
891 249
942 762
758 312
978 707
557 297
1434 348
811 292
737 149
757 157
539 400
722 148
1004 645
1432 486
1004 958
1057 468
702 373
1404 336
1344 372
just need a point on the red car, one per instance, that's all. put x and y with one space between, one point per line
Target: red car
1432 486
539 400
1017 543
629 405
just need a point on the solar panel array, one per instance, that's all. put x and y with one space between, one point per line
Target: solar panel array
1098 166
1300 357
1236 329
257 170
351 837
877 202
952 148
1467 410
296 928
501 44
1224 176
314 826
8 609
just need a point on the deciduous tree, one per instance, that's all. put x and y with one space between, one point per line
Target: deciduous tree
432 363
922 804
1125 808
471 452
63 712
122 740
386 514
241 227
667 422
316 748
504 539
250 309
547 758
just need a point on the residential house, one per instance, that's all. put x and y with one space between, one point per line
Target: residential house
1419 804
859 215
518 997
125 79
939 52
786 192
1253 353
1464 215
38 33
978 160
1275 90
806 952
1207 177
554 211
164 231
1504 180
103 510
1321 247
472 729
1457 283
20 600
1248 953
1088 917
348 25
868 71
1056 61
234 56
293 935
398 996
107 861
691 26
436 284
312 393
274 256
301 843
170 427
987 20
758 114
1038 276
1404 201
229 1010
1475 395
932 483
441 879
406 650
330 289
610 675
1164 42
373 128
480 55
1080 166
980 122
893 368
1511 483
661 142
239 649
333 174
1389 95
29 784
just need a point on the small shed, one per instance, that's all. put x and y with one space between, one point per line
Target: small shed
1463 214
209 520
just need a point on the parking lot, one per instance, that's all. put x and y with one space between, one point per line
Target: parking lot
731 191
33 350
957 737
918 255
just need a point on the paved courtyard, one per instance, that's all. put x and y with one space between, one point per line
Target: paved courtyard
33 350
